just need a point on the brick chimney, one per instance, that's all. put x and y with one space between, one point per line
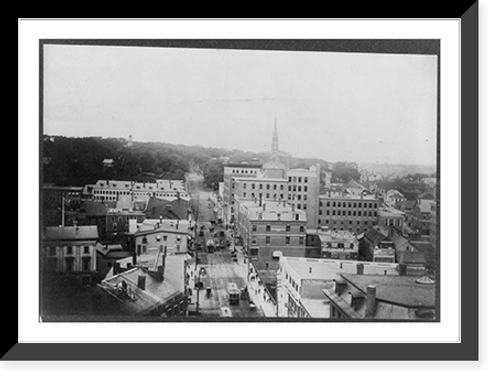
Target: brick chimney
141 282
402 269
360 268
371 301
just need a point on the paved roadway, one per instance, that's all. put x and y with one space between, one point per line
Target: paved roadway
220 267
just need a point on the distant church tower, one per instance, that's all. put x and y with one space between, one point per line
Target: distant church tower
274 144
129 143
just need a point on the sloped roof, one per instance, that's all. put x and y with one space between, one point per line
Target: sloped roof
398 240
411 257
375 236
426 248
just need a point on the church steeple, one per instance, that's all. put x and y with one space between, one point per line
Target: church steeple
274 143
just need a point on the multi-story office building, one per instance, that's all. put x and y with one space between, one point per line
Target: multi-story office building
268 226
232 171
347 211
273 181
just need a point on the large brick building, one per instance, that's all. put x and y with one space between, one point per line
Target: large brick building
268 226
347 211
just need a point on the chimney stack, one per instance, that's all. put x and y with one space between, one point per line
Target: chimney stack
360 268
339 286
159 271
371 301
402 269
141 282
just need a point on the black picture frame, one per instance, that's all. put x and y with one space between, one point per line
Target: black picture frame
466 349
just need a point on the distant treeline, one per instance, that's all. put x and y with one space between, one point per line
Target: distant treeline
79 161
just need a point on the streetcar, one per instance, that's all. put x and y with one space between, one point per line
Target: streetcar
234 294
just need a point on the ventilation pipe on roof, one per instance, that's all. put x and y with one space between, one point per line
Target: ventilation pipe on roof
360 268
371 301
141 282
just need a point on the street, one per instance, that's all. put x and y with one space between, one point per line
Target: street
217 265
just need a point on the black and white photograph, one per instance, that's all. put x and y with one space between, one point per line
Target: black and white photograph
239 182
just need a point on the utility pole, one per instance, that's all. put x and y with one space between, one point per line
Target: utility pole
62 212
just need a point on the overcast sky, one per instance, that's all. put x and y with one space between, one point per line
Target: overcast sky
333 106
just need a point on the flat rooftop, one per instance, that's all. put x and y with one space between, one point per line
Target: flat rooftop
329 269
400 290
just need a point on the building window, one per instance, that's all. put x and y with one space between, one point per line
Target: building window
86 264
268 240
86 249
69 250
287 240
301 240
268 228
70 261
254 228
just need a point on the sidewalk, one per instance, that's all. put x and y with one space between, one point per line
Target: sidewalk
258 296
